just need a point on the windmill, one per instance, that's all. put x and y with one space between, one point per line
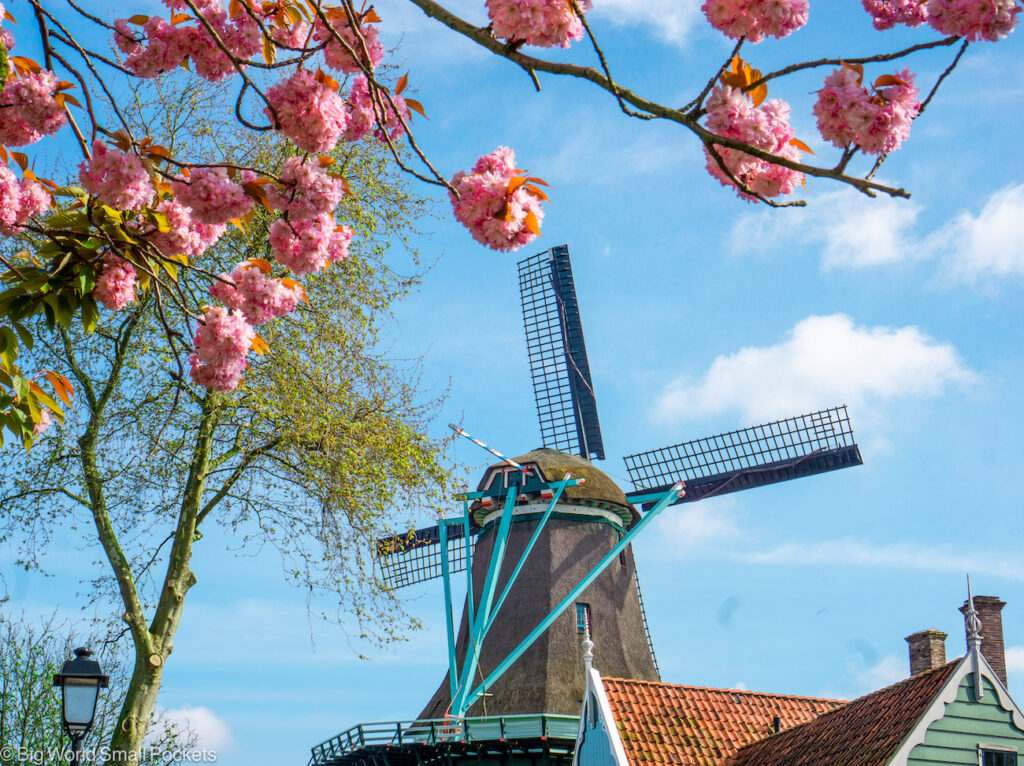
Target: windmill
548 531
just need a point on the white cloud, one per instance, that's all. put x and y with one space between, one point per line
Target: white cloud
853 552
1015 659
886 671
987 246
822 361
211 731
694 524
672 20
853 231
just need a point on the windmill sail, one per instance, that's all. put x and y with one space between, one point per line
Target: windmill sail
416 557
750 457
562 387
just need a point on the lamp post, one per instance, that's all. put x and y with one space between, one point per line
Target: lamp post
80 681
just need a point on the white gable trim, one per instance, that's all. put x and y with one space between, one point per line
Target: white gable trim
595 687
946 695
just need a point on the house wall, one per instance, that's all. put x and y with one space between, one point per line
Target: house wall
954 738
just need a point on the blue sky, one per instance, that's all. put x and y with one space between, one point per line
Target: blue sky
702 314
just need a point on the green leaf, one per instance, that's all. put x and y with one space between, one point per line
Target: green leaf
90 313
71 191
5 65
26 337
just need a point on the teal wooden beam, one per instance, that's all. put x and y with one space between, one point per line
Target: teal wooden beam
469 560
666 499
446 574
478 627
559 488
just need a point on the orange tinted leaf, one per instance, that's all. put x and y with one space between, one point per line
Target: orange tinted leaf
62 98
180 17
326 79
541 181
889 79
139 19
158 151
9 17
261 264
325 161
259 345
416 106
29 175
532 224
234 9
371 17
759 94
537 192
293 285
402 82
21 158
3 155
57 381
858 68
801 145
515 183
269 50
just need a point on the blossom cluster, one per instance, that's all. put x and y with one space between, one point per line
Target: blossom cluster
306 190
118 179
488 202
28 109
19 201
257 296
848 115
973 19
185 235
753 20
352 55
6 36
308 111
885 14
222 342
544 23
365 116
115 284
213 197
309 245
731 114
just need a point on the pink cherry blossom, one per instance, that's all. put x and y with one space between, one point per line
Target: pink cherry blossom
164 49
7 39
126 38
212 195
115 284
187 236
848 115
975 20
117 179
19 201
308 111
363 115
45 421
732 115
221 344
756 19
309 245
28 109
307 190
544 23
294 36
483 205
337 56
885 14
256 295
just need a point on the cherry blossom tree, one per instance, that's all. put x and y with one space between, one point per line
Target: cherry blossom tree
142 214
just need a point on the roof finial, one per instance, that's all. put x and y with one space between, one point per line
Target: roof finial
973 625
588 647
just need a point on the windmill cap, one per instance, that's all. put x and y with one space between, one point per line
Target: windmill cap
597 491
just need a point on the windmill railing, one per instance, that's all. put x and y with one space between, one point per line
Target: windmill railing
440 731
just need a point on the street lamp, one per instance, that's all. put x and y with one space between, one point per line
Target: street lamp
80 680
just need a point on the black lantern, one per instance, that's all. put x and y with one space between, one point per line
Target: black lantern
80 681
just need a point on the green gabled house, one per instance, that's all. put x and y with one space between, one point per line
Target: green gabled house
945 713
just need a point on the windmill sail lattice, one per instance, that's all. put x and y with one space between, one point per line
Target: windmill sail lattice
562 386
415 558
750 457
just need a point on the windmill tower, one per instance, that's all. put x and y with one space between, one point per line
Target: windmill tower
552 550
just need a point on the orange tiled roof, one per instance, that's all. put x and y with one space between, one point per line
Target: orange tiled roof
865 732
696 726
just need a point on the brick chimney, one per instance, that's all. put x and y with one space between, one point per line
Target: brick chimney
989 609
927 650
